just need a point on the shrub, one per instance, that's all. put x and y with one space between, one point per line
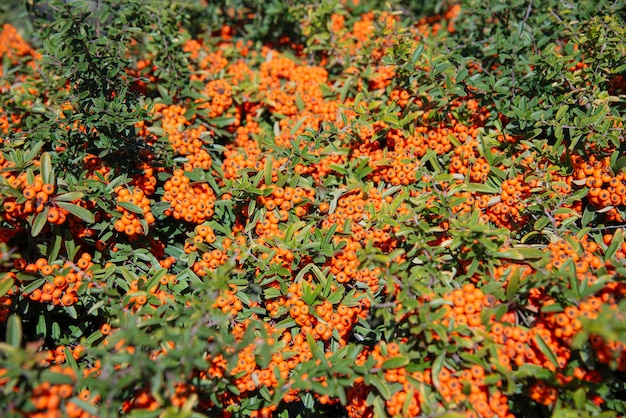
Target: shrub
336 208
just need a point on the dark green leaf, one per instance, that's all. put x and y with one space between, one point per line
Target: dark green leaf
78 211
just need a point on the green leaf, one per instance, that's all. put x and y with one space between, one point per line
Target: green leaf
14 330
595 118
417 53
45 167
588 215
317 352
546 350
35 284
395 362
56 378
85 406
131 207
580 399
437 366
619 165
78 211
381 385
39 222
69 358
6 283
481 188
521 253
513 285
561 112
267 170
69 197
618 239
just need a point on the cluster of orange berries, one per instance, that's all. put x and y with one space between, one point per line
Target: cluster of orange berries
202 234
356 207
468 386
400 97
247 156
293 92
12 45
191 202
62 281
138 296
186 140
612 352
400 171
211 260
543 393
585 258
285 198
466 305
53 400
430 25
93 165
145 180
228 303
508 269
172 117
58 354
513 193
130 223
345 264
142 400
268 226
282 257
464 154
408 396
35 197
218 94
212 63
437 138
607 190
248 376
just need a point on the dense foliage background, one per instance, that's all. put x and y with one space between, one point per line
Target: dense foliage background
325 208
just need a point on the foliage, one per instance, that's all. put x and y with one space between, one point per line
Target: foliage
324 208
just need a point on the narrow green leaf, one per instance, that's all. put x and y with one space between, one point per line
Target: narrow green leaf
417 54
14 330
481 188
395 362
317 352
546 350
267 170
68 197
619 165
45 167
6 283
36 284
580 399
69 358
131 207
39 222
561 112
381 385
78 211
85 406
437 366
513 285
618 239
56 378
